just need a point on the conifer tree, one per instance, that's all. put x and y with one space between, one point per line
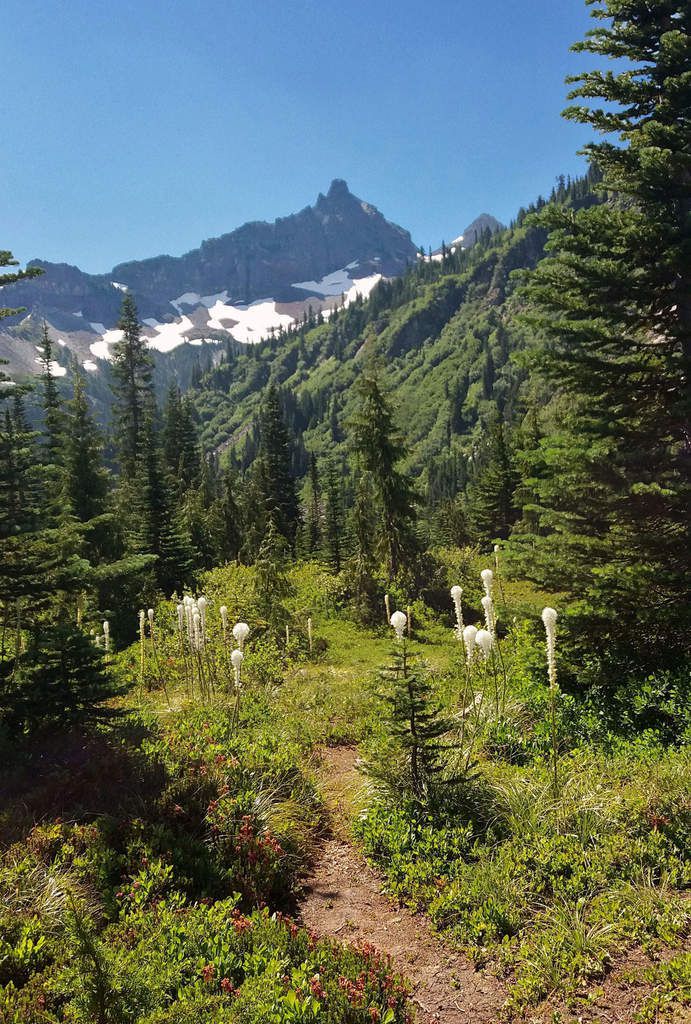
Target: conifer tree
180 443
416 756
333 518
161 528
490 495
314 508
51 403
275 478
378 448
230 522
132 376
614 301
86 480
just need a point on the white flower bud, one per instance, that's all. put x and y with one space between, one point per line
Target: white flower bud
488 608
241 631
456 597
469 638
549 618
484 641
150 613
398 621
236 660
487 577
224 615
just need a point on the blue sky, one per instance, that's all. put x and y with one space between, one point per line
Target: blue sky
137 127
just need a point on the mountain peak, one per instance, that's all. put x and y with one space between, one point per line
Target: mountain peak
338 189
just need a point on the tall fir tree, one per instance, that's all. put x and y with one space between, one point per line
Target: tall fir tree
314 508
51 403
275 478
333 517
614 302
490 502
132 383
86 480
378 449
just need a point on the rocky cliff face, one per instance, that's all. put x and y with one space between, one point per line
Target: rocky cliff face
256 261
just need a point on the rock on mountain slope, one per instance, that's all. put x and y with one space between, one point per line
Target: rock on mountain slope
241 285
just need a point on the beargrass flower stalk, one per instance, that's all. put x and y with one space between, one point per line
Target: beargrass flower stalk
197 630
180 609
287 635
202 604
236 660
106 635
387 607
399 621
456 597
488 609
469 639
240 632
142 641
497 549
484 640
549 619
309 633
487 577
409 615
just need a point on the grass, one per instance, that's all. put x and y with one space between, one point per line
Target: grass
182 806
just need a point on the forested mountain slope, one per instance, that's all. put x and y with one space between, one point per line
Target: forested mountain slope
446 337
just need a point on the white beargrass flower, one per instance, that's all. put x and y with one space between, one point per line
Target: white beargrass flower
484 640
549 618
150 613
398 620
488 608
387 606
241 631
223 611
236 660
456 595
469 639
487 577
142 620
309 633
180 609
197 629
106 635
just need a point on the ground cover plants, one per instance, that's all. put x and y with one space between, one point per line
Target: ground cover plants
151 874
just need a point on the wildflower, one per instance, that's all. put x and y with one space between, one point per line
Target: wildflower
309 633
387 606
106 635
150 614
208 972
484 640
488 608
469 639
142 620
227 986
398 620
456 595
236 660
487 577
223 611
241 631
549 617
181 617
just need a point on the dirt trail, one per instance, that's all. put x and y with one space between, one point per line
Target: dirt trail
343 899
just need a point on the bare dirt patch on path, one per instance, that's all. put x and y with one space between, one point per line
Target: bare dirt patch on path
343 899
